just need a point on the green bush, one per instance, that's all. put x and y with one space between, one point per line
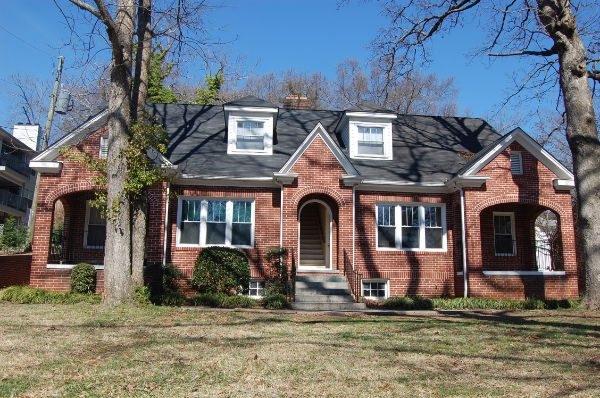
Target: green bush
30 295
238 301
141 295
403 303
165 291
14 236
276 302
208 299
83 279
221 270
277 281
471 303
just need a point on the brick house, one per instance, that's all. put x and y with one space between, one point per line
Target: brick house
396 204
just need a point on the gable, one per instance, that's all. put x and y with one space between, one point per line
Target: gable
319 136
518 141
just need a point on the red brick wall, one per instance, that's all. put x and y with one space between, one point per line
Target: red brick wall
15 269
534 192
75 179
409 272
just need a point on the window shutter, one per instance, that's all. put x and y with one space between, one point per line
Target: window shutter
516 163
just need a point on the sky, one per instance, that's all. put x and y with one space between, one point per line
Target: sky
269 36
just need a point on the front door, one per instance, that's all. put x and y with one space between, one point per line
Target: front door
315 231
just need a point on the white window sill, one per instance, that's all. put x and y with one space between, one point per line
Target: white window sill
524 273
392 249
69 266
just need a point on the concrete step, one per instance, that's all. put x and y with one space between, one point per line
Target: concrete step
322 298
329 306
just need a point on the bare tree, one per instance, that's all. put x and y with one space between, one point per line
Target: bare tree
551 35
129 26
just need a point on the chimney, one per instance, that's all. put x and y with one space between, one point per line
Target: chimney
297 102
28 134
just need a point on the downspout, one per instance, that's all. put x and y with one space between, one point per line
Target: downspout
353 223
166 226
280 213
464 242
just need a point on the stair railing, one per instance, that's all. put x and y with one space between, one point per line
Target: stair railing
353 277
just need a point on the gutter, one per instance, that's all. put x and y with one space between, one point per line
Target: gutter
464 243
166 225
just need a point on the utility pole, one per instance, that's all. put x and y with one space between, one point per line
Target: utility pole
44 144
48 128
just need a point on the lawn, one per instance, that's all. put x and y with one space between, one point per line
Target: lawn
88 350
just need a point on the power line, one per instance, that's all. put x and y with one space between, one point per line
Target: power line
25 41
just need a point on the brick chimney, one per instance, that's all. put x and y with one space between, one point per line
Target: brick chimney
297 102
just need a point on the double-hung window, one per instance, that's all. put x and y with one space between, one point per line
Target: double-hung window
250 135
103 152
370 141
411 226
221 222
95 227
504 234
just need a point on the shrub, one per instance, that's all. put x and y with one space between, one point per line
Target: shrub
208 299
165 289
30 295
83 278
277 281
406 303
238 301
14 236
141 295
221 270
276 302
221 300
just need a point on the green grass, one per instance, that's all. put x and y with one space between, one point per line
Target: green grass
90 351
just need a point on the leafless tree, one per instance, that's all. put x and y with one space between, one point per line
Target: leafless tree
128 27
559 40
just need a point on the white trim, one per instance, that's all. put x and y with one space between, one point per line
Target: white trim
403 186
257 296
397 206
353 128
249 109
86 227
512 232
524 273
166 221
267 130
46 167
228 220
320 131
53 151
225 181
531 146
70 266
103 147
328 241
375 280
374 115
563 185
463 235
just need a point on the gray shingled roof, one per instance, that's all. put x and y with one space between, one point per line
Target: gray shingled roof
251 101
425 148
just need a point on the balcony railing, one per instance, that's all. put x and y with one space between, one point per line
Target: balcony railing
14 163
10 199
501 253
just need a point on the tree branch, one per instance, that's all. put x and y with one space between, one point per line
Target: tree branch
594 75
542 53
87 7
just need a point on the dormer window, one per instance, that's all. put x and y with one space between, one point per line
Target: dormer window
250 136
370 141
367 132
250 126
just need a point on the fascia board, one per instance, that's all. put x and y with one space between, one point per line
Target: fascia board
395 186
319 130
372 115
46 167
229 108
213 181
563 185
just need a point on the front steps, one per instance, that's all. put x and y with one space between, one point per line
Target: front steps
324 292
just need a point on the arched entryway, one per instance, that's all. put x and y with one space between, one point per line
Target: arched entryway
315 236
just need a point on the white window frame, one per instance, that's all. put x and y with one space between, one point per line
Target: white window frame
232 128
387 288
398 226
260 287
512 228
516 163
86 227
103 149
203 220
354 125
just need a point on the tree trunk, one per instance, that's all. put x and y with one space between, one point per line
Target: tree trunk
117 255
138 241
559 22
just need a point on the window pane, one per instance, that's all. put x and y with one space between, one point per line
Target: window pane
410 237
96 235
216 211
241 234
95 217
502 225
386 236
189 233
242 212
215 233
433 216
190 210
250 143
386 215
504 244
433 238
370 148
410 216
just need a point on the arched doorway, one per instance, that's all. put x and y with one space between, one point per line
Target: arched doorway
315 220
